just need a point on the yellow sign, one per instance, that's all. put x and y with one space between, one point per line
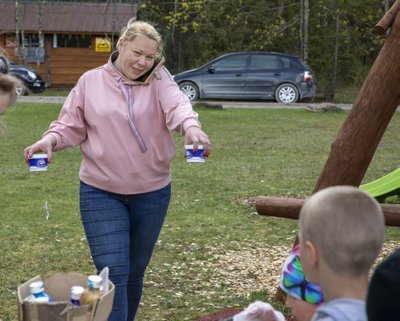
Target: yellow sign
103 44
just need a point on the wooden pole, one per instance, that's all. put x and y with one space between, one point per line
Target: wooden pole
290 208
387 20
357 140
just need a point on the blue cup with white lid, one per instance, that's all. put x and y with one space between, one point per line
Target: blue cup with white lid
194 156
38 163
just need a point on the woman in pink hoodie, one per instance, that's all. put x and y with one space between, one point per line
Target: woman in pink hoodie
121 115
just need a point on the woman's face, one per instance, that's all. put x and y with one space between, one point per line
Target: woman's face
136 57
301 310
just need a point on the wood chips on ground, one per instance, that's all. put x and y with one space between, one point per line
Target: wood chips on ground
226 273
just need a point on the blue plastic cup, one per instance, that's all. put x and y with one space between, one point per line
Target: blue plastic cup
194 157
38 163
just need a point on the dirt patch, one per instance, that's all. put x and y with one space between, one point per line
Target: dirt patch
219 316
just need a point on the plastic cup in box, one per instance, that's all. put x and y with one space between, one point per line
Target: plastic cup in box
38 163
194 157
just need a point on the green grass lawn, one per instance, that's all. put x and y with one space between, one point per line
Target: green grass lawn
214 250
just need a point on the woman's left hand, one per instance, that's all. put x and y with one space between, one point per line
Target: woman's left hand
195 136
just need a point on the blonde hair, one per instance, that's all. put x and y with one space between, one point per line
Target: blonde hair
8 85
347 227
135 28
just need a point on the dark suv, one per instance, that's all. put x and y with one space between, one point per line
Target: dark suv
250 75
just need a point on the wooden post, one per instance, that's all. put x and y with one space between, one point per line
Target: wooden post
357 140
290 208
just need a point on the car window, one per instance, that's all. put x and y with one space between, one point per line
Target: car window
231 63
290 63
264 62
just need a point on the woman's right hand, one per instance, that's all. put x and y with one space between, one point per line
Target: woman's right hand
44 145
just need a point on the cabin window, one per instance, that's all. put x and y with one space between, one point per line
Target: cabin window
72 41
32 40
31 47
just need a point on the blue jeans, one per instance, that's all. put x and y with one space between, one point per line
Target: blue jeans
122 231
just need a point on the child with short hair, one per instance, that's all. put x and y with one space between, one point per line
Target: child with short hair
341 234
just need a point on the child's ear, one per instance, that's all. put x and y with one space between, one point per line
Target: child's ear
312 253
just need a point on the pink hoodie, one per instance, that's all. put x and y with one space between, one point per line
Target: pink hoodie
95 116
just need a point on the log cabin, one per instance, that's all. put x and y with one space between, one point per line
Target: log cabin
61 40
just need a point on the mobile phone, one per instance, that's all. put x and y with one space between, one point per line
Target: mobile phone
148 76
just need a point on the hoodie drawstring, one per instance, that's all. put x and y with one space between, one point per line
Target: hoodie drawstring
127 92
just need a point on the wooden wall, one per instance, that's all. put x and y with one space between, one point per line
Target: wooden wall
67 64
62 66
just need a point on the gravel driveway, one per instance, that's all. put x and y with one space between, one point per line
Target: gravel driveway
224 104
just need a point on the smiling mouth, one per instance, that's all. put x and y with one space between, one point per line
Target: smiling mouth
137 69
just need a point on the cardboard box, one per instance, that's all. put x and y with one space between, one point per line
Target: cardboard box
58 286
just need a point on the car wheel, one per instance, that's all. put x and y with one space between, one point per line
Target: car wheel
287 94
190 90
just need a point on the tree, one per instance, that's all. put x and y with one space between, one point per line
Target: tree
334 37
303 28
176 19
344 27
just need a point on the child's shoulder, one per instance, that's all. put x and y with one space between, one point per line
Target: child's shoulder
341 310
